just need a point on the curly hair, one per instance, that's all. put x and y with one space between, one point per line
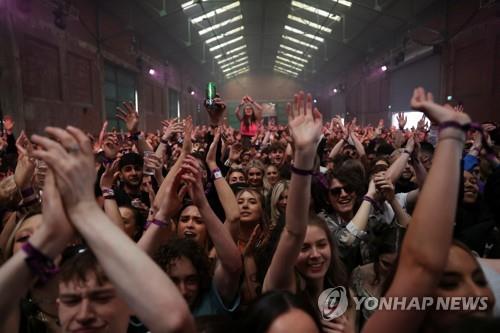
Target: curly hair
190 250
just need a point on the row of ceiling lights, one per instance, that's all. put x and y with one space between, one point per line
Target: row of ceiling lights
290 60
232 61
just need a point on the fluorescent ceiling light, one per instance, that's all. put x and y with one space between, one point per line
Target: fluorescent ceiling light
228 33
232 41
298 64
281 63
315 10
285 70
190 4
296 41
309 23
302 33
238 72
234 62
231 58
293 56
225 70
236 49
344 2
220 25
215 12
291 49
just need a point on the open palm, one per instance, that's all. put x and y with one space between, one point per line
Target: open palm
305 123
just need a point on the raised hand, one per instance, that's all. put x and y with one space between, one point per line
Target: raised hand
108 177
384 186
210 158
69 154
187 145
424 102
170 128
191 173
305 123
128 114
402 120
25 167
216 112
110 146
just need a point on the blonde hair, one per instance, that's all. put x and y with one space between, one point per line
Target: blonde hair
280 187
9 247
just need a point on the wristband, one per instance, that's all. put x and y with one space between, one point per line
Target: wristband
39 264
107 191
165 142
407 152
301 172
159 223
373 202
216 174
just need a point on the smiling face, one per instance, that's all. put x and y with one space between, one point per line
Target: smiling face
315 254
462 277
471 189
277 157
28 228
191 226
272 174
255 176
131 175
250 207
248 111
90 306
341 197
185 276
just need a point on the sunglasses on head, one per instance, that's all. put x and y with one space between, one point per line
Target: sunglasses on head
336 191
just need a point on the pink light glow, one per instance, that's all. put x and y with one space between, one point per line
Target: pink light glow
152 71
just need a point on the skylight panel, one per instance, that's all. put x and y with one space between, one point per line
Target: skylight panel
297 64
302 33
281 63
215 12
315 10
232 41
229 69
293 56
228 33
220 25
296 41
285 70
231 58
234 62
309 23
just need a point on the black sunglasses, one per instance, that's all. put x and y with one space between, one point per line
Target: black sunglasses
336 191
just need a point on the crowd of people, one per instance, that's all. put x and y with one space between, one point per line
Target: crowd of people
208 228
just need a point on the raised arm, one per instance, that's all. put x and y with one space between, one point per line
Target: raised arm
226 195
50 239
123 262
305 126
427 242
397 167
229 264
129 115
106 184
258 108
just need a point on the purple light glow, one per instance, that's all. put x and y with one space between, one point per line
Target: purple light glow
383 68
152 71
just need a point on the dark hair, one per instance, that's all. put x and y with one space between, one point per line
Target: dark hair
263 311
131 159
277 146
385 149
471 324
382 239
351 173
247 121
177 248
79 263
427 147
215 324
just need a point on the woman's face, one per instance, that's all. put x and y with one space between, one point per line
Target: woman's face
129 222
191 225
282 201
272 175
342 198
293 321
248 111
462 277
255 176
237 177
386 262
315 254
30 225
250 208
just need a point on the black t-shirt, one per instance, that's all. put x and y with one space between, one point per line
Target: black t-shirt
125 199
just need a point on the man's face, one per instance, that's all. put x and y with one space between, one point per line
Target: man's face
87 306
185 276
131 175
277 157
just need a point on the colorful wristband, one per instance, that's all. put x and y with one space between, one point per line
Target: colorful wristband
301 172
39 264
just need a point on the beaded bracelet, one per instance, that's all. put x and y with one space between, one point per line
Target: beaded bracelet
39 264
373 202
